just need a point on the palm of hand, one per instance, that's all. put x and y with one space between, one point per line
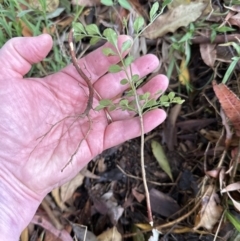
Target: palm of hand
30 107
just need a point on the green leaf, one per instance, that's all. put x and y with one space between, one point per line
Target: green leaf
153 10
150 103
230 69
171 95
99 107
55 13
164 98
234 221
124 81
114 68
108 52
213 35
145 96
112 107
111 36
129 93
105 102
126 45
159 154
128 60
92 29
94 40
123 102
78 28
224 29
135 78
125 4
107 2
138 24
139 235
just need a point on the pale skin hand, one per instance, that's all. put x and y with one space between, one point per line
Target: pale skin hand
29 107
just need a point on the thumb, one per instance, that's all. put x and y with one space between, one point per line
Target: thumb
18 54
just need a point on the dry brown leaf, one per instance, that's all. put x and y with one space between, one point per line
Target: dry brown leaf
178 17
231 187
162 203
139 8
208 53
230 104
67 189
110 235
235 20
139 196
184 76
65 22
235 8
24 235
56 195
26 31
211 210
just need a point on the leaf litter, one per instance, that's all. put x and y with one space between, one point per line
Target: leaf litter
110 202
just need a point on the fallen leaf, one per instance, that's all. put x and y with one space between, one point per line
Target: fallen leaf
211 210
82 233
184 76
159 154
235 20
208 53
143 226
67 189
230 104
139 196
235 8
110 235
24 235
175 18
56 195
107 204
26 31
231 187
162 204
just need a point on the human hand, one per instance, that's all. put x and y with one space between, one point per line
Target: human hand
31 167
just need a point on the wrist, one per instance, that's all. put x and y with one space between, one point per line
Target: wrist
17 206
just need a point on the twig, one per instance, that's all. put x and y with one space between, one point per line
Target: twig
168 224
139 178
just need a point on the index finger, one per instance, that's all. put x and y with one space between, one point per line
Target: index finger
96 64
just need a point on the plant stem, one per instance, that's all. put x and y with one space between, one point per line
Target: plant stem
149 209
140 113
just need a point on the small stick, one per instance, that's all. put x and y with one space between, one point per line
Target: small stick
82 74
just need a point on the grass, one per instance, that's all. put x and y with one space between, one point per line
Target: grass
18 19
